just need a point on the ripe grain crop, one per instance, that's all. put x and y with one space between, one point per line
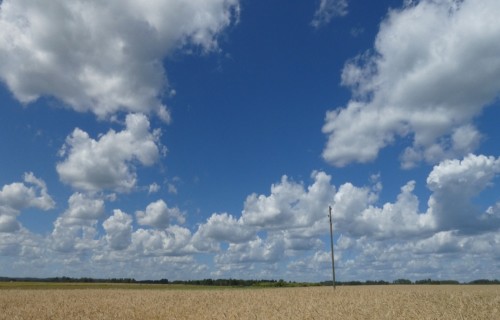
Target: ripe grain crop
364 302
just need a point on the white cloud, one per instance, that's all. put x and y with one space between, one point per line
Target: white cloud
108 163
327 10
294 243
288 220
103 57
31 193
440 242
493 211
118 229
375 241
153 188
82 208
75 229
355 213
8 223
159 215
435 67
223 227
172 189
258 250
387 237
14 197
290 205
465 257
454 184
275 235
21 244
318 263
173 240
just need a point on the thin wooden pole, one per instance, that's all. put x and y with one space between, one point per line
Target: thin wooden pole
331 245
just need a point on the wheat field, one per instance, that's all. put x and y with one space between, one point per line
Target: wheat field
364 302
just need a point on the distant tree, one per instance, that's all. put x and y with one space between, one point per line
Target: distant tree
280 283
485 281
424 281
402 281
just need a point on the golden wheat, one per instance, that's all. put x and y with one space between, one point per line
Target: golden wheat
367 302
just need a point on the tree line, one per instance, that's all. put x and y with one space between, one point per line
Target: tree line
246 283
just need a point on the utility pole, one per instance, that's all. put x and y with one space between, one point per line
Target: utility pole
331 245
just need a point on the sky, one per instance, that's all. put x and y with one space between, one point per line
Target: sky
192 139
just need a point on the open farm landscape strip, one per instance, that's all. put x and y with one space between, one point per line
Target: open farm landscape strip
374 302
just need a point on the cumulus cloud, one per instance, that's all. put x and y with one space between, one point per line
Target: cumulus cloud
258 250
75 228
173 240
422 81
290 205
355 213
83 208
289 219
466 257
118 229
14 197
159 215
108 162
455 183
316 263
220 228
280 227
21 244
327 10
103 57
375 240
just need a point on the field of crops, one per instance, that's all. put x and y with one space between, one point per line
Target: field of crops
164 302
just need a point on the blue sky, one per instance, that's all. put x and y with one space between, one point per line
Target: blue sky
206 139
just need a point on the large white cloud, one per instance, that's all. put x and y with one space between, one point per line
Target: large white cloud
108 163
435 67
14 197
102 57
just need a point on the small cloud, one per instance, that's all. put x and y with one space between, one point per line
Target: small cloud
328 9
153 188
356 32
172 189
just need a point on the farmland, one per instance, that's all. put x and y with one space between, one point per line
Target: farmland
79 301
